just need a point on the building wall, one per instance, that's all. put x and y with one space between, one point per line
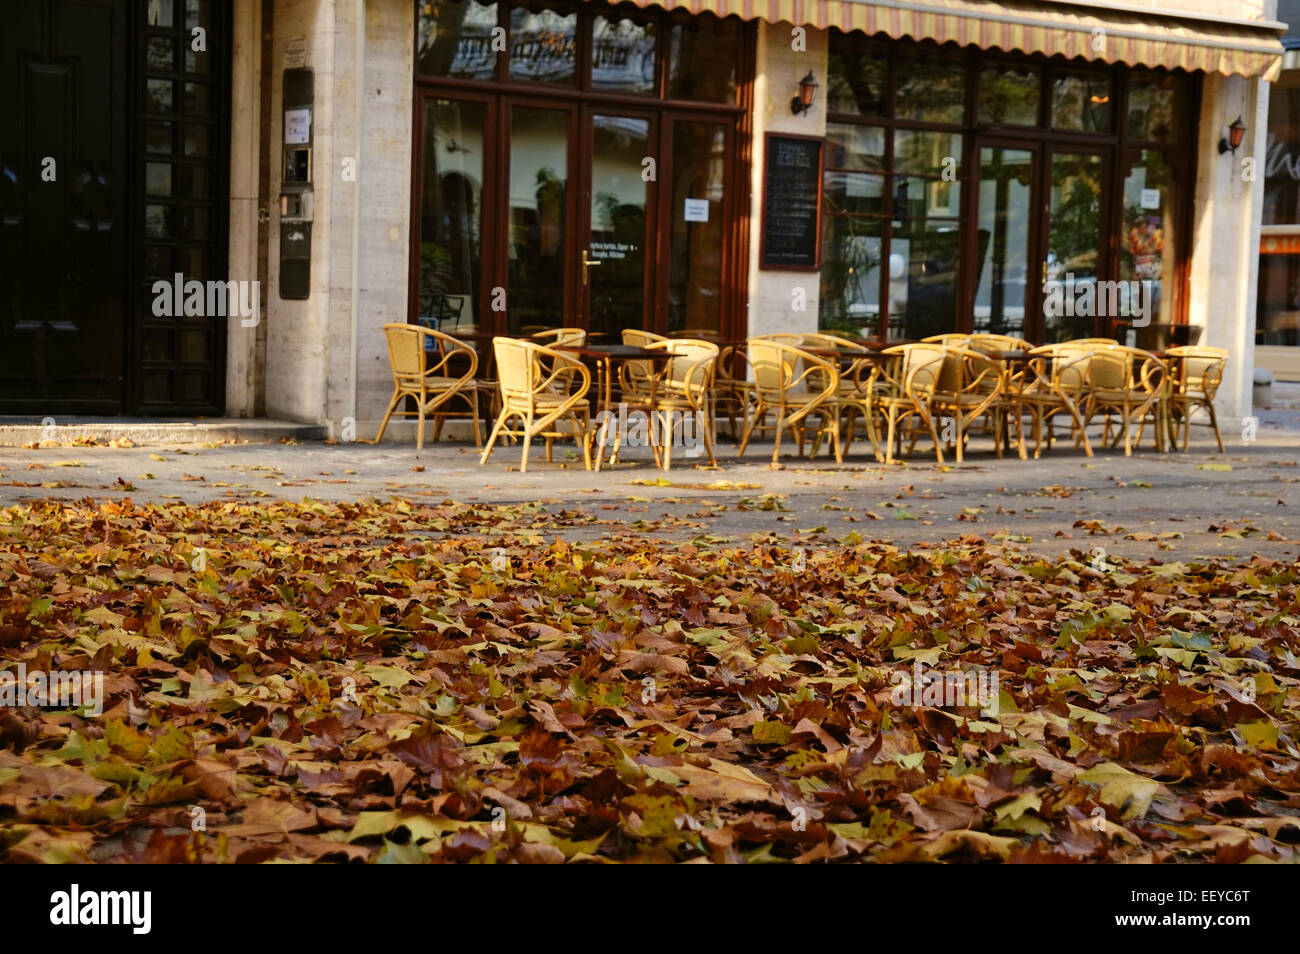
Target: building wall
309 373
309 364
1225 233
778 69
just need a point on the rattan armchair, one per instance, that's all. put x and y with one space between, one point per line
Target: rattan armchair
424 374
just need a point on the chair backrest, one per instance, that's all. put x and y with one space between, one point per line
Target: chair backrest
1091 341
406 349
986 342
1066 368
773 363
822 340
1119 367
780 367
412 347
518 366
639 338
691 369
916 367
1200 369
636 374
572 337
697 334
949 338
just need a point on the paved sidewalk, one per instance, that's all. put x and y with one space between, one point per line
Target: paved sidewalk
1170 506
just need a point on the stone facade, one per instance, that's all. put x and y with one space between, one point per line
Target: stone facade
302 364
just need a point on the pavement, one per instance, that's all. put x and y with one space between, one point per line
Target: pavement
1168 506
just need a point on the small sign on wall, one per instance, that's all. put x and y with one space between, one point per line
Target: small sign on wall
297 126
697 210
1150 198
295 53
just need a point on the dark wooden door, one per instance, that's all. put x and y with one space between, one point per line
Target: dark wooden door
63 185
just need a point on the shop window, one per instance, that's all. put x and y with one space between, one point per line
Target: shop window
858 78
451 212
1282 158
931 89
454 38
1148 241
703 58
855 147
1081 102
1008 95
543 43
1156 106
623 54
1278 312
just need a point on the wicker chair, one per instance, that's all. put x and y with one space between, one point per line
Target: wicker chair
1130 384
532 380
411 348
1054 381
780 372
1198 372
685 387
900 389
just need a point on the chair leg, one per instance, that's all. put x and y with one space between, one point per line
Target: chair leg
478 436
708 447
392 406
666 432
934 436
419 433
1214 422
776 440
889 441
528 440
751 421
496 430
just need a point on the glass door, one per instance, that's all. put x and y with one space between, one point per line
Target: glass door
540 242
614 289
454 192
1039 246
1074 258
695 240
1005 257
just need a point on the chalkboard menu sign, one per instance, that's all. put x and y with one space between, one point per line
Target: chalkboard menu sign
792 193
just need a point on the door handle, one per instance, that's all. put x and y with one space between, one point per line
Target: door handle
586 264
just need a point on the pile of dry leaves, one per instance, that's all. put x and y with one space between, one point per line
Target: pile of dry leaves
387 682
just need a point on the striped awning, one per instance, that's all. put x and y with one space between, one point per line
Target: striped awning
1088 30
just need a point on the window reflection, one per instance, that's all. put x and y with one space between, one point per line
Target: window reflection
623 55
542 45
454 38
451 213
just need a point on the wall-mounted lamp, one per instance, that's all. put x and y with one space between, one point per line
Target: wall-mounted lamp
807 93
1236 132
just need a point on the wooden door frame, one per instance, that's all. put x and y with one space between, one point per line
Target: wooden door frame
586 167
1105 249
1037 148
489 196
733 234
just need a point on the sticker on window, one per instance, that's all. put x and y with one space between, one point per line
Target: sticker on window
697 210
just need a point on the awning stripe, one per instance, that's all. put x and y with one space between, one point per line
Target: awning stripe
1136 39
